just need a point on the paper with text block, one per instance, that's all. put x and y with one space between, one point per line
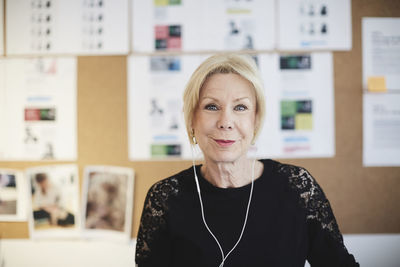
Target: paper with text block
381 51
381 129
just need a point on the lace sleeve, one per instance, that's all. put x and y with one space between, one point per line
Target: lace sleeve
151 236
326 241
312 199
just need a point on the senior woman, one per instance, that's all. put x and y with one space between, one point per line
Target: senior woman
233 210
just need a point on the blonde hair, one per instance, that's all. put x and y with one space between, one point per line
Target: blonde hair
223 63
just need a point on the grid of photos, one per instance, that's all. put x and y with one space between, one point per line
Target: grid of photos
48 197
39 27
107 202
42 16
168 37
93 25
12 196
313 18
296 115
54 208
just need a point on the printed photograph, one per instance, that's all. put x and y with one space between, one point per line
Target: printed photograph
13 195
107 200
8 194
295 62
169 63
55 199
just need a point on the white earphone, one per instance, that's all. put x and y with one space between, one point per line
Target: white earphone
224 257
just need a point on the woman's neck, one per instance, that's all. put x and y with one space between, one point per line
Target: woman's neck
230 174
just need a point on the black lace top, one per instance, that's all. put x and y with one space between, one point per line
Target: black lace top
290 221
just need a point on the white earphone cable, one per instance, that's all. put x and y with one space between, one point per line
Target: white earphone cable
203 216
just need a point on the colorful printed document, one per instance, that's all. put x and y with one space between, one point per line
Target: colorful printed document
38 115
212 25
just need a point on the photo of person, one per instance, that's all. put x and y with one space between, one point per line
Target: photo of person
107 200
12 200
48 200
54 191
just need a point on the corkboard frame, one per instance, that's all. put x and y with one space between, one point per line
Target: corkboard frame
364 200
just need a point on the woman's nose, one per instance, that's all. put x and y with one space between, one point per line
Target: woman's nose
225 120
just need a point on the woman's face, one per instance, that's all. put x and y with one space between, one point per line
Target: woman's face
225 117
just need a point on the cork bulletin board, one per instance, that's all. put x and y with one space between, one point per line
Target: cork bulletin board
364 200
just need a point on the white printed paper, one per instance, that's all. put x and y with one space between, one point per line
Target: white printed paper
381 129
314 24
156 124
211 25
299 106
67 27
107 202
54 209
39 117
381 50
13 195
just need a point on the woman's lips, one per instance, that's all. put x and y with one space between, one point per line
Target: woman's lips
224 143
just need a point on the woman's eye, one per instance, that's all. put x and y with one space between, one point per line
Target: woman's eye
211 107
240 108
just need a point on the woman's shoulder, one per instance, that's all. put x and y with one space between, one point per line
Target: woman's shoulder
298 177
299 181
310 195
170 186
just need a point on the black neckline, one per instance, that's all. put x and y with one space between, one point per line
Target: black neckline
205 185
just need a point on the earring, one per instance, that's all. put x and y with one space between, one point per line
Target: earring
253 141
194 138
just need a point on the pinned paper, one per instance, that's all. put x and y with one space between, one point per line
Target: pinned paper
376 84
